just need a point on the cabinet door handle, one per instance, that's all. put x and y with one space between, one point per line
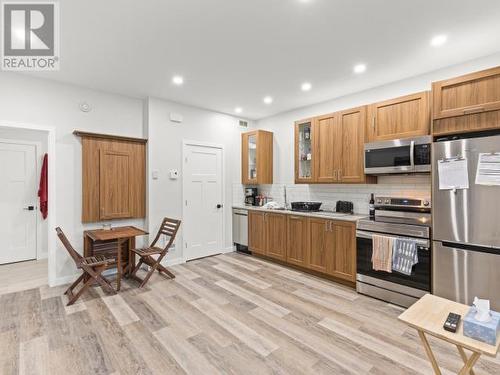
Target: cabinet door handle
326 226
373 123
473 110
335 175
340 174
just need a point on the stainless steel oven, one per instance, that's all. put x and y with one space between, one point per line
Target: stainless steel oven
409 155
396 218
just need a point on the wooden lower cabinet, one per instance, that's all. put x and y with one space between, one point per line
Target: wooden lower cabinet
297 240
343 263
257 232
276 234
321 245
332 248
267 234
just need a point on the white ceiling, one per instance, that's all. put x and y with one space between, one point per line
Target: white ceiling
234 52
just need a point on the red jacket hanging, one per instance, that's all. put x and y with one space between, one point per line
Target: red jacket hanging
43 192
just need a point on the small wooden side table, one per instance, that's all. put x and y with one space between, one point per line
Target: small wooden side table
428 315
116 243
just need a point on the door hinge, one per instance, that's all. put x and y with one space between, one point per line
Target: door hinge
186 159
186 245
186 202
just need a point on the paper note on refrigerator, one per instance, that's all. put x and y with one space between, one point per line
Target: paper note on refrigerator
453 174
488 169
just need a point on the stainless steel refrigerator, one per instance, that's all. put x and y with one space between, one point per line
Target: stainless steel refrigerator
466 224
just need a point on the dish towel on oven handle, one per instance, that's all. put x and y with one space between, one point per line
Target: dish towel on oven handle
404 255
382 253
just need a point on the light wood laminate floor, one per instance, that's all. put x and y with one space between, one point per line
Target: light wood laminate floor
230 314
16 277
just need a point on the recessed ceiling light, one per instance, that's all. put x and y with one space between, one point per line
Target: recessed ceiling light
439 40
238 110
177 80
306 86
359 68
268 100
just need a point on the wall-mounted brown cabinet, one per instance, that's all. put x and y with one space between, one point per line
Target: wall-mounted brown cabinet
113 177
257 157
329 148
467 103
403 117
304 154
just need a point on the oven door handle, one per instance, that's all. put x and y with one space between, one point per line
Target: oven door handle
423 243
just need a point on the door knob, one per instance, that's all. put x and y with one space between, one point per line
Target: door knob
219 205
29 208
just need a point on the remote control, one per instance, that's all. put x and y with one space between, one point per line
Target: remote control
451 323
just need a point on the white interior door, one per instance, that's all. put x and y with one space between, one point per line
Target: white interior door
17 193
203 198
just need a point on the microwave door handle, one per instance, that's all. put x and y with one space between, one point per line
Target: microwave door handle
412 154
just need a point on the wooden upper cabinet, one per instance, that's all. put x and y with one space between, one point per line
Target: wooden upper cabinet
343 260
113 177
114 184
327 145
257 232
276 236
467 103
297 240
304 156
352 126
403 117
329 148
257 157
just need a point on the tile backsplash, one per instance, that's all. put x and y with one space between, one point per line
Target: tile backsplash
359 195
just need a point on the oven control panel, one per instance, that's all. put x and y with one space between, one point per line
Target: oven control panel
402 202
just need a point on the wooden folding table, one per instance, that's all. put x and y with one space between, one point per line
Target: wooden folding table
115 242
428 315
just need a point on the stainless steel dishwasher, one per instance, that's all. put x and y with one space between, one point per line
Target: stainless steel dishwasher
240 229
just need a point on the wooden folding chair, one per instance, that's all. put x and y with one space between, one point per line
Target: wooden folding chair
92 268
169 228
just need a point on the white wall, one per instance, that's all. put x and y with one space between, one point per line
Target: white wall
24 99
282 124
165 153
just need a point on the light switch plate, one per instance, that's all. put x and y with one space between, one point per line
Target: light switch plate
175 117
154 174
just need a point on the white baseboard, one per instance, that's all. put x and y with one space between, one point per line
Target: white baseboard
173 262
229 249
41 256
64 280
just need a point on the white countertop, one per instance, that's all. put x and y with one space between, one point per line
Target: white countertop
321 214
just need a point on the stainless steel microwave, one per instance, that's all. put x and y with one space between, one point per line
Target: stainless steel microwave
409 155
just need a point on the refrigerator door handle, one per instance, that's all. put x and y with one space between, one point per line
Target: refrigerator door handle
452 158
412 154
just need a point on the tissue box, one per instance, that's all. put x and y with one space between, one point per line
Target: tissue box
482 331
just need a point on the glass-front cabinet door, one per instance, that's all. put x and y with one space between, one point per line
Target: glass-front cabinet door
257 157
303 151
252 157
